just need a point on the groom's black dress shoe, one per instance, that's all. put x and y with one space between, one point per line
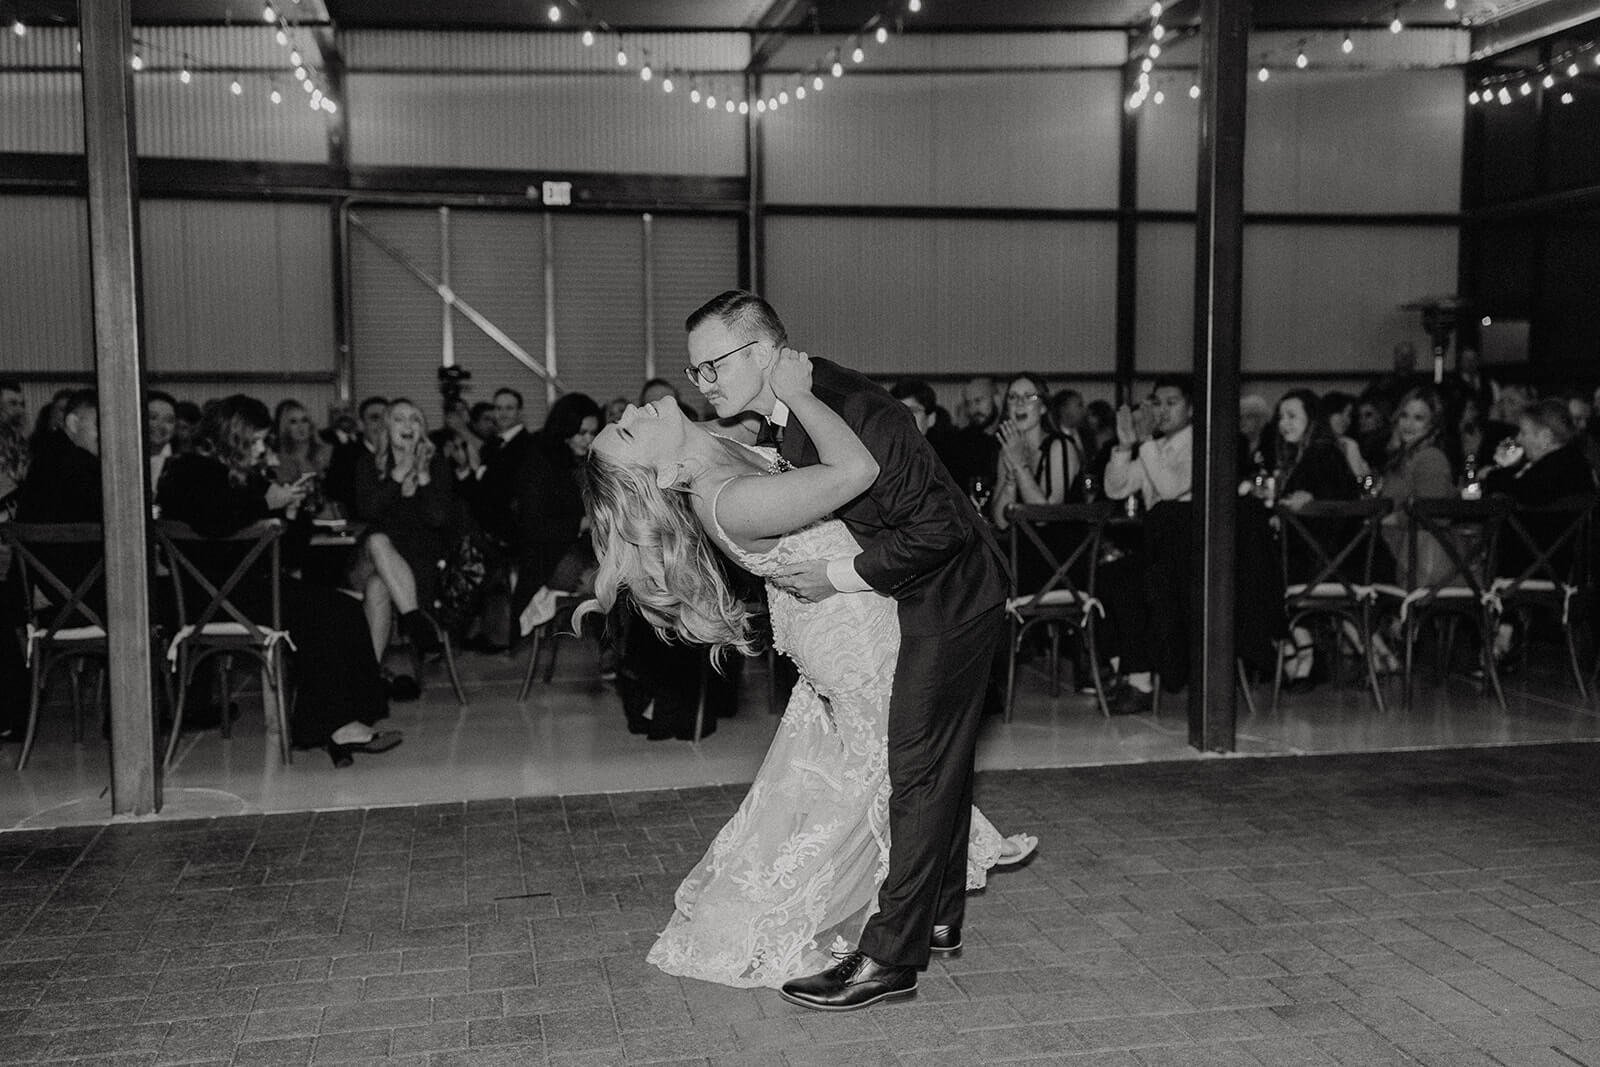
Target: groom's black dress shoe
854 982
946 940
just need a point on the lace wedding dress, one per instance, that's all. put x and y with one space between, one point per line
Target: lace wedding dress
794 875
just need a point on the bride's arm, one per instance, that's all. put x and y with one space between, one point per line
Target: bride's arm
758 508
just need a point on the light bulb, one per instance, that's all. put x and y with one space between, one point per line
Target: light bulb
235 88
694 95
1158 31
299 74
1525 89
329 106
1505 96
281 37
1301 61
817 83
1472 97
1566 98
838 69
554 14
666 85
1263 74
799 92
19 28
308 86
783 96
744 107
645 73
1396 26
1160 97
1549 81
1572 71
1597 59
730 107
622 57
1147 65
184 76
914 6
316 98
1155 51
857 54
294 58
1194 92
1347 46
277 97
269 14
711 101
138 62
314 105
1156 9
588 38
1449 5
761 107
882 35
772 103
1134 101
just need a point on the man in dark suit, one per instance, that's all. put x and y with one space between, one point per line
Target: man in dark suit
924 545
340 482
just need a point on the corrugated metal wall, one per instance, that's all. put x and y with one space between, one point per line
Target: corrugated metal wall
45 304
528 52
936 140
242 285
894 296
537 122
693 260
600 330
919 52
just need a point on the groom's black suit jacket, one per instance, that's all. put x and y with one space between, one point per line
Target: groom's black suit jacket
922 541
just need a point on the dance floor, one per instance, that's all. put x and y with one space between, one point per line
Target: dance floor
1438 907
570 738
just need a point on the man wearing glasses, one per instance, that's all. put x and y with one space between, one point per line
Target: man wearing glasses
923 544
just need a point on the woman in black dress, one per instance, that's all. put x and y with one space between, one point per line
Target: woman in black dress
218 489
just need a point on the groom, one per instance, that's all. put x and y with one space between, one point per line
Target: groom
923 544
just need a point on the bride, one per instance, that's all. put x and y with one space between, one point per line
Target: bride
794 874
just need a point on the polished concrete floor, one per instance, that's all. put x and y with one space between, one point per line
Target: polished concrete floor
1438 907
569 738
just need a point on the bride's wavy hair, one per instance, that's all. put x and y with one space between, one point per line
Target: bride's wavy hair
648 542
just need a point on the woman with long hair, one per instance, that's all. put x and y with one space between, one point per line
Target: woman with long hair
406 498
1036 466
795 873
1306 459
219 489
1416 467
301 450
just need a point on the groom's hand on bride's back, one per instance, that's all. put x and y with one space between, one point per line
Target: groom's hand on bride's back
791 373
807 581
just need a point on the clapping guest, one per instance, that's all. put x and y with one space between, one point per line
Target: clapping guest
406 498
218 490
301 450
1036 465
1417 468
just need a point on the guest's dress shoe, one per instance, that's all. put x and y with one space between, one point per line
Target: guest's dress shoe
946 940
856 981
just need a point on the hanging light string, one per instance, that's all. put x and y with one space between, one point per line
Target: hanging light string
1566 66
709 90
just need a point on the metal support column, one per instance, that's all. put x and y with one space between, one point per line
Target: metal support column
1127 236
1219 279
755 252
107 37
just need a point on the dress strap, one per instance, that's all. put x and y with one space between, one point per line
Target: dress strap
716 523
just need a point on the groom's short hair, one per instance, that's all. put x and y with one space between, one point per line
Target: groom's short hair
740 309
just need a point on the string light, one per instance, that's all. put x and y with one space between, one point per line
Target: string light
838 69
622 57
269 14
694 95
1472 97
19 28
761 107
730 107
645 73
294 58
1160 97
1156 9
307 86
1147 65
235 88
1155 51
1194 92
1505 97
783 96
276 97
711 101
744 107
1566 98
1449 5
137 62
588 38
300 74
1396 26
329 106
282 36
1263 74
817 83
857 54
554 14
1158 31
1347 46
666 85
913 6
1549 81
799 92
1300 59
1572 71
184 77
1525 89
882 35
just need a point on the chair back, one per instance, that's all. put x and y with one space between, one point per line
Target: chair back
1065 539
1552 542
1468 535
1338 539
258 557
48 557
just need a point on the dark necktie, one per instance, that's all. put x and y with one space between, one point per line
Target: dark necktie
771 434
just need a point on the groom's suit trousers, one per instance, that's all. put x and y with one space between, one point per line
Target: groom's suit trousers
934 715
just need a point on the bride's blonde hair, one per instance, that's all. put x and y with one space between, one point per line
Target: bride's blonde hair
648 541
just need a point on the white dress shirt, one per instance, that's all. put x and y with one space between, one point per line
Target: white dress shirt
1161 469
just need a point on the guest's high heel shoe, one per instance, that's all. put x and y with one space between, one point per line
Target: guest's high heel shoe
382 741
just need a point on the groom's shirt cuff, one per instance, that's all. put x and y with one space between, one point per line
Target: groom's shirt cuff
842 574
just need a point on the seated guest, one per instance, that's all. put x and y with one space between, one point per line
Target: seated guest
548 506
1255 416
1100 438
187 425
63 483
1337 410
461 448
1417 468
406 499
919 398
1581 408
301 450
160 424
1374 426
218 490
1476 439
507 456
1036 465
47 427
339 484
1067 411
13 446
13 406
1146 592
974 452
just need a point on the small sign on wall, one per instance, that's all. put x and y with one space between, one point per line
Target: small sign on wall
557 194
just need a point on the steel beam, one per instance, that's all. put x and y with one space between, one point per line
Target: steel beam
1219 284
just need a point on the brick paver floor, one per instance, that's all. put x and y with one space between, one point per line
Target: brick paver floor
1436 907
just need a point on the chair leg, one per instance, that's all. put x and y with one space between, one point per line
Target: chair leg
1409 634
1094 668
1491 669
533 662
1370 646
450 668
1277 675
700 702
75 683
39 676
1155 695
1244 687
555 645
224 698
274 701
1011 669
1055 660
1572 658
184 672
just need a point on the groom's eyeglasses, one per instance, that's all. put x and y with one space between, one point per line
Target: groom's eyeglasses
708 369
